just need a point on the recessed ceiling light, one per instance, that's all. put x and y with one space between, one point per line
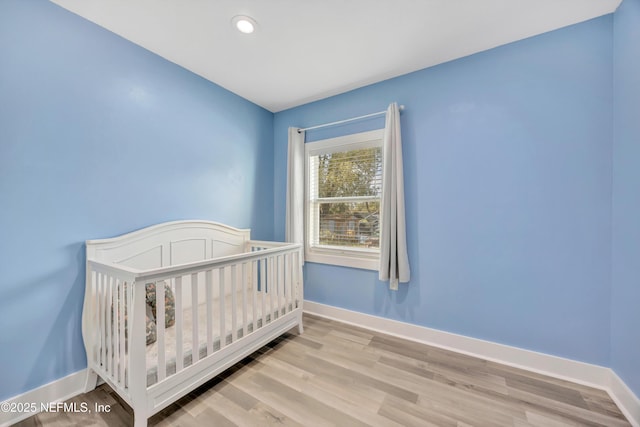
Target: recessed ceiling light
244 24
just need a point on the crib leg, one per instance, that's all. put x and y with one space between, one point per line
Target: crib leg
91 381
139 419
300 327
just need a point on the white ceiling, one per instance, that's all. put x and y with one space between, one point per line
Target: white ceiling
305 50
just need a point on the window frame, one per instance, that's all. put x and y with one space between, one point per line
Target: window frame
362 258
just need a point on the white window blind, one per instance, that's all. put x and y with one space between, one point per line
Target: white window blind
344 186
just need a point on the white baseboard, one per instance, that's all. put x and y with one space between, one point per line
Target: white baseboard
583 373
558 367
56 391
626 400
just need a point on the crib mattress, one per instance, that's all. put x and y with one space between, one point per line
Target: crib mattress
201 345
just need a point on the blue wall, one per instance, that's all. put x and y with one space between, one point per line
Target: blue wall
508 194
625 312
100 137
509 171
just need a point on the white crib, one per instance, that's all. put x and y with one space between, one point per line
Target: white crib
232 296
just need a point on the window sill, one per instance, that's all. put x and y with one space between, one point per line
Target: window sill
345 258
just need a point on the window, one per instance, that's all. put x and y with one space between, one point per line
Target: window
343 189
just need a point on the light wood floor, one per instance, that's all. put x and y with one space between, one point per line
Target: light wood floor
339 375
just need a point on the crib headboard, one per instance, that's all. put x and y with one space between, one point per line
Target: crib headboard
170 243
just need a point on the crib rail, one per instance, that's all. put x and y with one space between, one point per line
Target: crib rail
217 302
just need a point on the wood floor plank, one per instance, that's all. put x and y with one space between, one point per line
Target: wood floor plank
213 418
351 329
413 368
309 342
408 381
468 405
364 410
318 364
405 418
312 407
513 372
548 390
412 414
337 374
264 415
351 336
584 416
239 397
600 402
550 420
372 380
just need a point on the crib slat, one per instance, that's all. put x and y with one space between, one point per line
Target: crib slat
113 317
263 281
244 299
295 296
103 309
110 308
94 315
287 283
223 334
160 322
122 341
280 283
292 283
285 276
107 312
97 319
114 328
272 287
294 280
119 295
298 283
116 294
234 313
209 296
254 288
113 342
105 326
276 286
179 349
195 345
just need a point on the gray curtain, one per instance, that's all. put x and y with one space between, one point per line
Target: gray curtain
294 220
394 259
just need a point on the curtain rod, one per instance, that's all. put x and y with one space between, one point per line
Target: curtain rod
339 122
